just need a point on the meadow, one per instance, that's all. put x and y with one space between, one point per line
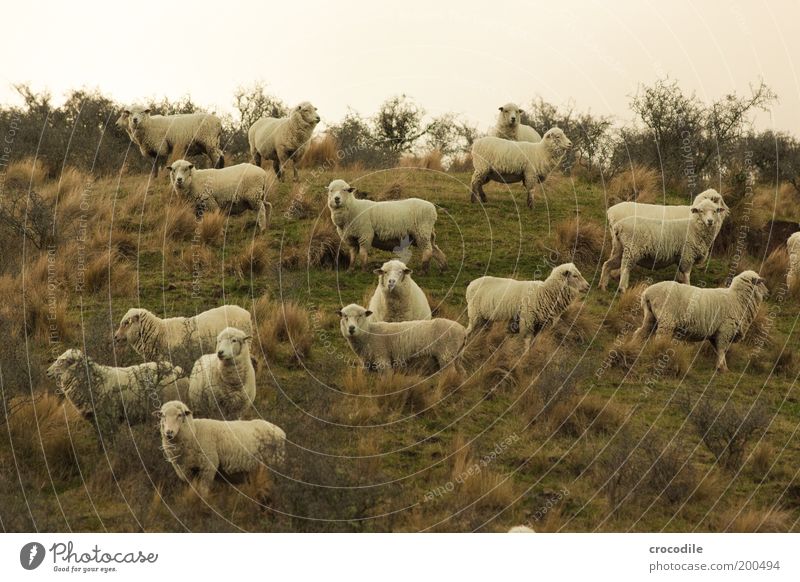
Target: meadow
586 432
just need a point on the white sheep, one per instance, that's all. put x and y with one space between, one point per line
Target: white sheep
793 248
235 188
187 134
521 529
509 125
223 384
501 160
199 447
390 225
397 296
721 316
383 346
154 338
641 210
537 304
113 394
283 139
655 243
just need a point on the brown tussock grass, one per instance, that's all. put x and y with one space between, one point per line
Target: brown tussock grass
321 152
392 392
26 173
756 521
393 190
780 202
775 268
283 330
109 270
321 248
579 240
576 325
661 357
211 228
476 480
301 205
637 183
254 260
462 163
179 222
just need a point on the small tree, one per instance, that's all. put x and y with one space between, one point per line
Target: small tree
399 124
254 102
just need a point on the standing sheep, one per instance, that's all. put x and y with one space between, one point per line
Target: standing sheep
283 139
234 188
538 304
655 243
793 248
199 447
383 346
389 225
509 125
153 338
397 296
500 160
641 210
721 316
188 134
109 394
223 384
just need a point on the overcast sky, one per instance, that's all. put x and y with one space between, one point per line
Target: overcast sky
461 56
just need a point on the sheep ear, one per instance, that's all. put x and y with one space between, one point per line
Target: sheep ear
247 338
352 189
147 111
339 313
158 414
407 271
367 313
170 168
187 412
126 113
500 109
378 271
761 281
695 210
135 318
191 166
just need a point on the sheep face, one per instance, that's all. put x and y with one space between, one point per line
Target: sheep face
391 274
172 417
707 213
572 277
307 112
339 193
509 115
130 327
714 197
556 139
139 116
64 362
231 342
354 320
180 174
754 281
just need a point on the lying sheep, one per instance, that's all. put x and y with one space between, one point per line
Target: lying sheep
154 338
187 134
537 304
223 384
389 225
283 139
234 188
721 316
654 243
509 125
113 394
397 296
199 447
640 210
384 346
793 248
500 160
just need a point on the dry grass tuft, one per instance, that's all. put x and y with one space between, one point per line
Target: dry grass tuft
283 329
393 191
638 183
322 248
321 152
627 316
300 206
580 241
254 260
179 222
25 174
211 227
110 270
756 521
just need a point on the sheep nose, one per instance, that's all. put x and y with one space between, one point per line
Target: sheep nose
170 434
220 354
179 180
352 329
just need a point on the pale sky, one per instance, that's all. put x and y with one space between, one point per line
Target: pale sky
461 56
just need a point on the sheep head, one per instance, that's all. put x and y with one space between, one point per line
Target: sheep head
130 327
707 213
354 320
172 417
569 274
339 194
231 343
307 113
180 174
391 274
556 140
509 116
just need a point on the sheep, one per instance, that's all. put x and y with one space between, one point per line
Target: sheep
721 316
509 125
199 447
389 225
397 296
234 188
500 160
191 133
382 345
106 393
537 304
223 384
521 529
655 243
283 139
640 210
793 248
153 338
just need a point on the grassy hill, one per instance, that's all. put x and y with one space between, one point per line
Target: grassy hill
587 432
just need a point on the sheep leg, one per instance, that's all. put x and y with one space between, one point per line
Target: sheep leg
476 323
262 217
624 271
476 188
205 477
424 243
613 262
256 157
529 185
649 323
217 158
721 346
438 255
364 243
683 275
278 169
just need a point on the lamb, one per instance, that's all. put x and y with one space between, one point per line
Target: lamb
721 316
191 133
154 338
655 243
640 210
105 393
235 188
283 139
793 248
199 447
223 384
397 296
537 304
500 160
389 225
509 125
383 346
